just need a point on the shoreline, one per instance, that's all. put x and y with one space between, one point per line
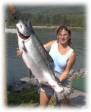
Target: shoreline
13 30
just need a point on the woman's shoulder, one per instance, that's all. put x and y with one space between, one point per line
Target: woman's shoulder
49 43
71 52
71 49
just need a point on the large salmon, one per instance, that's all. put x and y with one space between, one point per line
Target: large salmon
36 58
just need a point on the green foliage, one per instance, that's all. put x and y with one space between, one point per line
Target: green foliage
23 97
72 16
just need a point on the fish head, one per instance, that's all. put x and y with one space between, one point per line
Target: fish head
24 29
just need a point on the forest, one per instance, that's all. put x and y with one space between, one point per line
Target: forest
73 16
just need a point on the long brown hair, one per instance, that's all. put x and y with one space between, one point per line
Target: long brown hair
67 29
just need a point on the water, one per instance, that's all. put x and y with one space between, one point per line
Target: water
16 69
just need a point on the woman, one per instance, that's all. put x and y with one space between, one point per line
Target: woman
64 57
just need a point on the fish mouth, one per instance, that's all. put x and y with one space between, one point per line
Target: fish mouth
21 35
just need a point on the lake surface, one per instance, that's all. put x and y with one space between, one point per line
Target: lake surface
16 69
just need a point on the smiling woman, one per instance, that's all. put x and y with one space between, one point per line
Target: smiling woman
64 57
64 35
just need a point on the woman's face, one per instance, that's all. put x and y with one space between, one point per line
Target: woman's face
63 37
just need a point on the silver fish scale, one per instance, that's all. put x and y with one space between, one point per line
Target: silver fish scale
37 57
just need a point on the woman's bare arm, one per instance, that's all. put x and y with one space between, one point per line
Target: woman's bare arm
70 63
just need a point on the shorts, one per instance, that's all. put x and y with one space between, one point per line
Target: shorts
47 89
50 92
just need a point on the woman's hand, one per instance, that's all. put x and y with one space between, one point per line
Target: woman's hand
18 52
